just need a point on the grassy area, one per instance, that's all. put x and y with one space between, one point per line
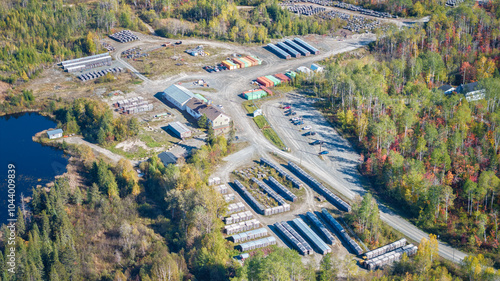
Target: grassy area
150 141
260 121
271 135
167 61
140 153
249 106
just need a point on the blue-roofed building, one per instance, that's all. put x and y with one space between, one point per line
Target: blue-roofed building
54 134
178 96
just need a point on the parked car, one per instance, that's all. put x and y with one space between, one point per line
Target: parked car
316 142
287 107
324 152
310 133
299 123
307 128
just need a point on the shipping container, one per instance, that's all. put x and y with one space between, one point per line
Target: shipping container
252 60
229 65
259 61
273 79
264 81
239 63
282 77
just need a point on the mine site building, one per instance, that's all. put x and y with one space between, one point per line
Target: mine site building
54 134
179 129
178 96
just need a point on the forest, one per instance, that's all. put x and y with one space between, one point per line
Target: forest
434 156
39 33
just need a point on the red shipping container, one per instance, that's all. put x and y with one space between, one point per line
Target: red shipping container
240 63
254 62
282 77
265 82
266 90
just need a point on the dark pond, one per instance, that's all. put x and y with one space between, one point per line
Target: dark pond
34 163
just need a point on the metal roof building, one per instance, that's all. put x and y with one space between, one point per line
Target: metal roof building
278 51
306 45
179 129
297 47
178 96
288 49
54 134
167 158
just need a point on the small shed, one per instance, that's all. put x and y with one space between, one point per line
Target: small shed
179 129
317 67
54 134
167 158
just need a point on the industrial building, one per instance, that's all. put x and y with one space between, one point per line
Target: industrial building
54 134
179 129
297 47
84 63
306 46
278 51
178 96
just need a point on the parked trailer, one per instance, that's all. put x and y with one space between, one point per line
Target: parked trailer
341 232
306 45
287 194
329 238
290 229
384 249
294 241
307 232
318 187
296 183
282 54
390 257
259 208
270 191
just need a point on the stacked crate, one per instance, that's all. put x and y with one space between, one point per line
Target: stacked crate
241 226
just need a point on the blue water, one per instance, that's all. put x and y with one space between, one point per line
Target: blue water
35 164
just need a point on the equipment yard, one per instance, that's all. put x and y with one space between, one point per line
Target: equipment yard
169 65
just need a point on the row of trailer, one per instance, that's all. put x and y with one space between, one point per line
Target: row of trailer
239 217
384 249
241 62
241 226
287 194
257 244
390 257
96 74
341 232
222 189
235 207
270 192
295 48
296 183
228 197
84 63
257 206
294 238
320 226
318 187
249 235
312 237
